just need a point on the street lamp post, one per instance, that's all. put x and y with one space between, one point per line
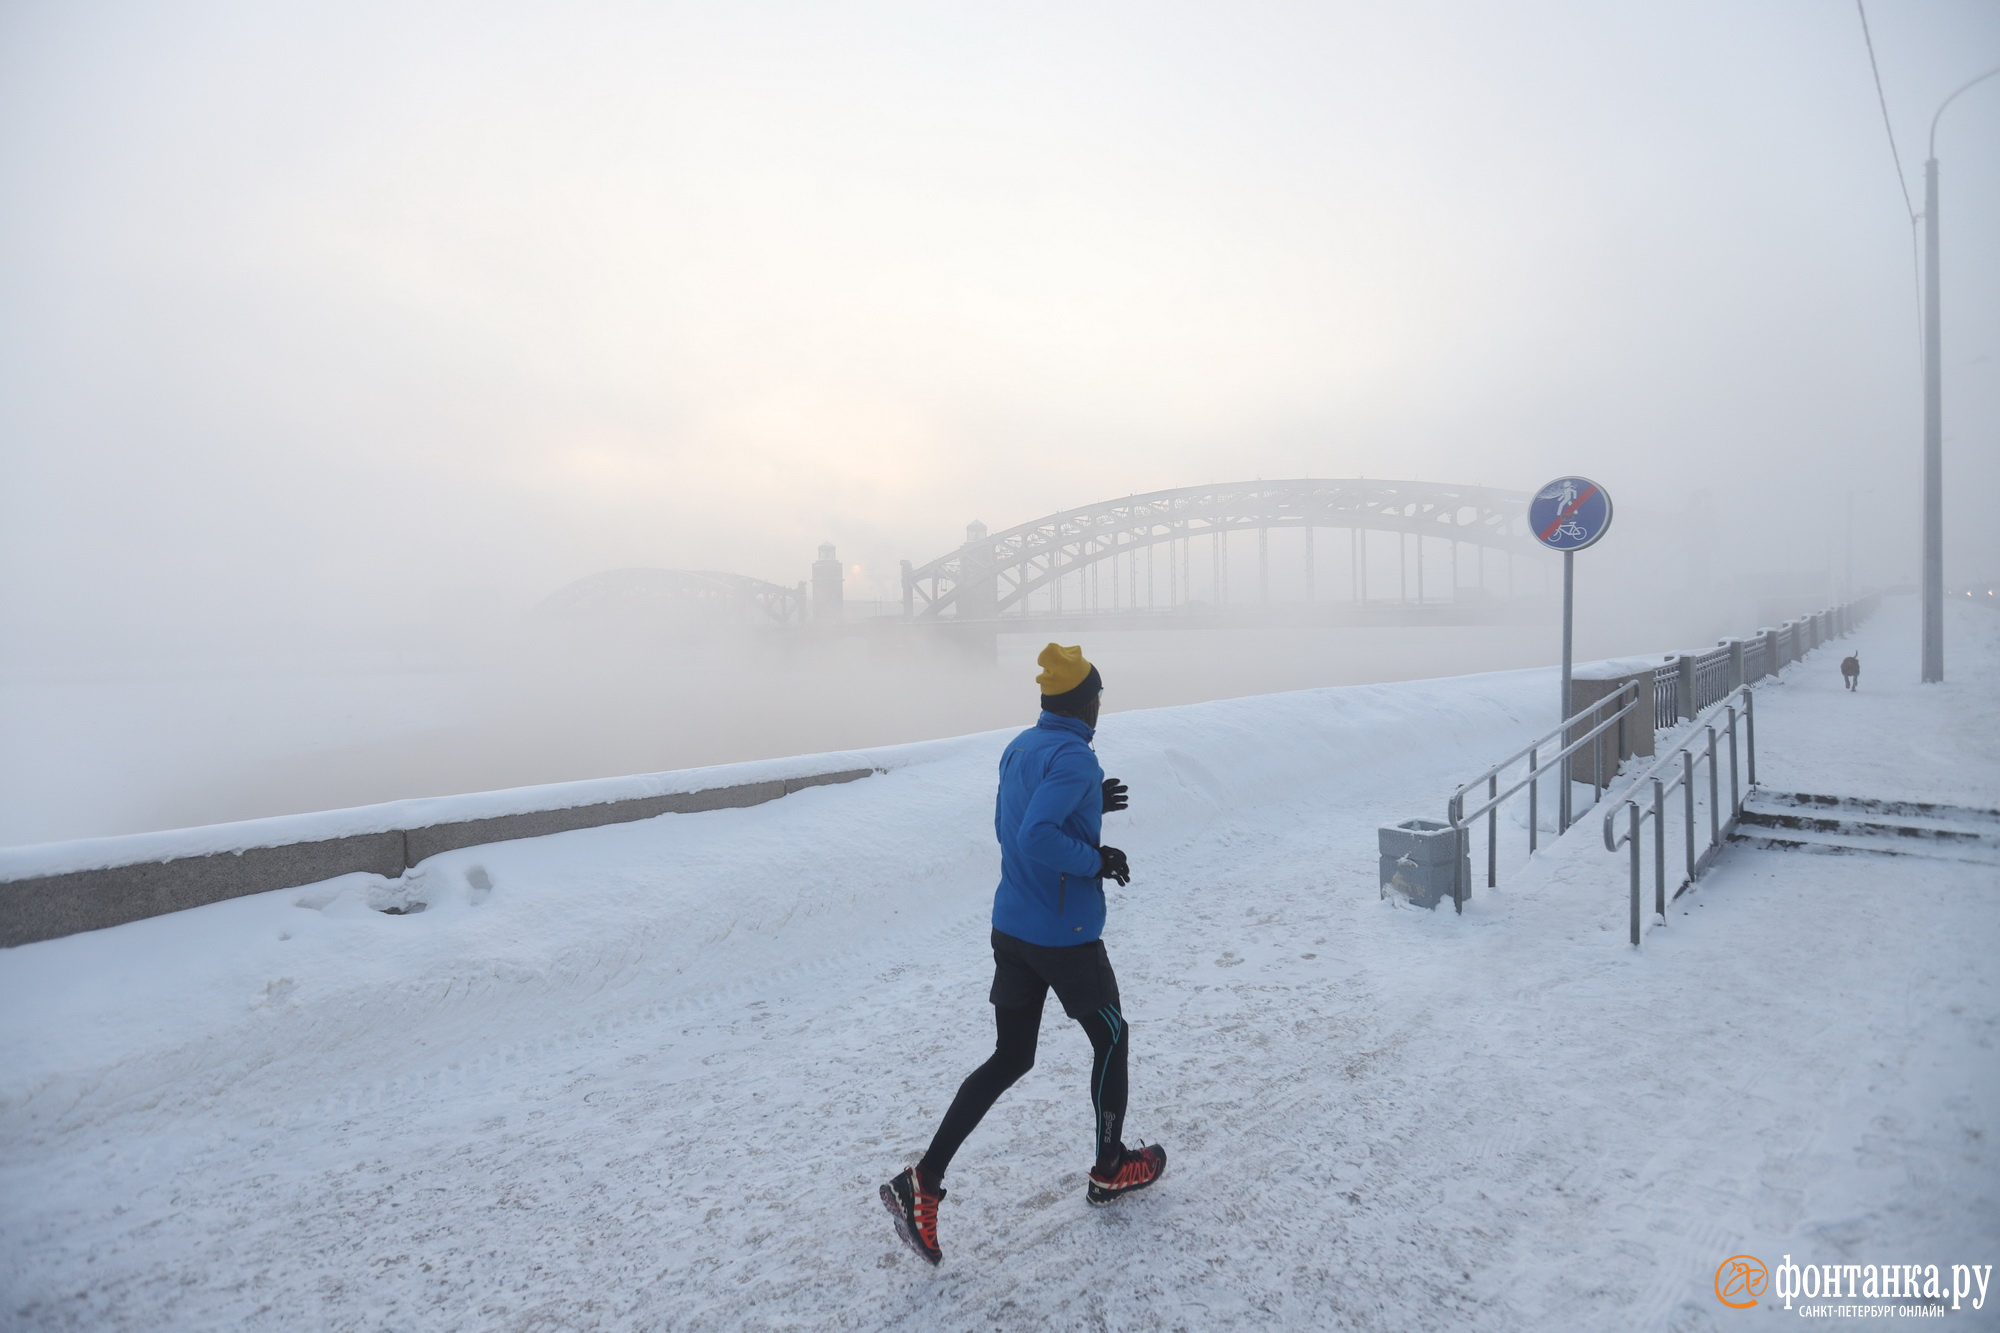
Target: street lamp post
1933 648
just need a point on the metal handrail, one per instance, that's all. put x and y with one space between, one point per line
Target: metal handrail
1682 779
1458 818
1732 667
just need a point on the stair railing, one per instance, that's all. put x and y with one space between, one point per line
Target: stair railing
1675 771
1606 717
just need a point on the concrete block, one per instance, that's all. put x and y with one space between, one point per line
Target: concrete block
432 839
52 906
825 779
1599 763
1685 700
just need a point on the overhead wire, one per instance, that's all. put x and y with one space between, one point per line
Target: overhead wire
1916 256
1883 101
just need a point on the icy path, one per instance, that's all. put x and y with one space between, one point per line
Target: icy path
648 1076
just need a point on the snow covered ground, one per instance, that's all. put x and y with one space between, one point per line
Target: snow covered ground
648 1076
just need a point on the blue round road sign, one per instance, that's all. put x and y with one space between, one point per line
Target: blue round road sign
1569 513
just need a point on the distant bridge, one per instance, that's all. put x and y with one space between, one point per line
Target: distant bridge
687 595
1105 558
1414 553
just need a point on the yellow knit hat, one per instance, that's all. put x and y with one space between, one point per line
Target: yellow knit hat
1063 669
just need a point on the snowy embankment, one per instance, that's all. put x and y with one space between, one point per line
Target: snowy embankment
32 860
648 1075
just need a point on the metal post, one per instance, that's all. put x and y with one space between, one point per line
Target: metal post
1492 832
1622 750
1569 610
1735 787
1597 778
1933 439
1534 802
1714 793
1750 734
1633 806
1687 816
1461 868
1660 842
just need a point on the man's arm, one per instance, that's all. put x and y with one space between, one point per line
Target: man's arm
1072 778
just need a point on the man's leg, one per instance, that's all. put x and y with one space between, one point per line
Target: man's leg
1108 1043
1089 991
1015 1032
1118 1170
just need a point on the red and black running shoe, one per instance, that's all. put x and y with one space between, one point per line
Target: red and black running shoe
1135 1171
915 1210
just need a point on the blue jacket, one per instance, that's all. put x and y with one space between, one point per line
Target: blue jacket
1047 816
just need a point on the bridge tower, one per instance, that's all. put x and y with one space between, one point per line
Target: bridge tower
980 597
827 585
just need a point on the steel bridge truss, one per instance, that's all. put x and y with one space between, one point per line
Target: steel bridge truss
618 592
992 575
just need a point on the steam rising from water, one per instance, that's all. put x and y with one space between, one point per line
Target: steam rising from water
338 337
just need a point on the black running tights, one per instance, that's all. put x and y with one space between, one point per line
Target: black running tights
1014 1055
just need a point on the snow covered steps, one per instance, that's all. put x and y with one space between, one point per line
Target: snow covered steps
1803 822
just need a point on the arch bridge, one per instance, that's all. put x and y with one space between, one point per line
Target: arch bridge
1106 557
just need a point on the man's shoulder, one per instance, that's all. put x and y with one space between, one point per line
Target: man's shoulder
1055 744
1067 750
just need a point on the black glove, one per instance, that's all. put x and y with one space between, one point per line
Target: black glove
1114 795
1111 864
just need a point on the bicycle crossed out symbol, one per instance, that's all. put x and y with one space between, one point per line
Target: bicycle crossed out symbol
1568 501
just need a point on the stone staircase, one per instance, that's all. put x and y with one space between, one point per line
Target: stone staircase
1798 821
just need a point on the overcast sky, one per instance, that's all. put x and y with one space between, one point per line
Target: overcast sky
351 315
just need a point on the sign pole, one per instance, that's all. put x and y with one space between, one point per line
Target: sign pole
1569 622
1567 515
1933 586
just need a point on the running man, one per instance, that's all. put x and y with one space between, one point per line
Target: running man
1048 920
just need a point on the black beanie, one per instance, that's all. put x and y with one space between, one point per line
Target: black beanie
1071 702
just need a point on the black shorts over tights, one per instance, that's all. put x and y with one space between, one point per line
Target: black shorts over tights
1080 975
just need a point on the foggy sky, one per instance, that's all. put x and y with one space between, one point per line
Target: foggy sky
361 318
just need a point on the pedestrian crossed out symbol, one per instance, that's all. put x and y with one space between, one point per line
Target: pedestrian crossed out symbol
1569 513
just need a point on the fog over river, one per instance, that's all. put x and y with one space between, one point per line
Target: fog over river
103 750
335 338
